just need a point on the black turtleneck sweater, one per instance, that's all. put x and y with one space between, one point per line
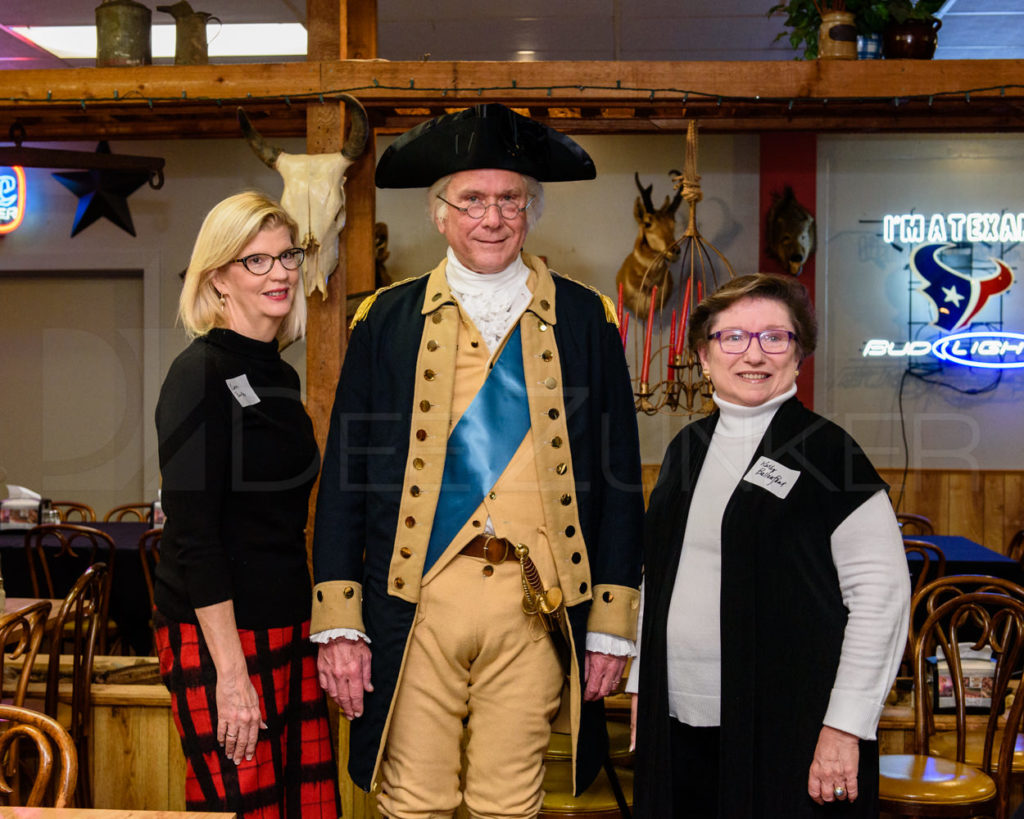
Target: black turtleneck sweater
237 460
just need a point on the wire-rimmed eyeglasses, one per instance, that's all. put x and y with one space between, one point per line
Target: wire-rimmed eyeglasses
737 341
476 210
260 264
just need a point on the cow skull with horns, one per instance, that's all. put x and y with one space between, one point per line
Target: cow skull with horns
313 194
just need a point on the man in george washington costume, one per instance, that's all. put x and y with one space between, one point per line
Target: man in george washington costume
477 544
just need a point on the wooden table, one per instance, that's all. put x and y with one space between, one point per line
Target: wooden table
89 813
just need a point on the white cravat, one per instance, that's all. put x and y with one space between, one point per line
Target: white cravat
494 301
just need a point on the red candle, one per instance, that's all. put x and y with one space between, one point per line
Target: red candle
625 329
671 346
646 368
683 318
618 307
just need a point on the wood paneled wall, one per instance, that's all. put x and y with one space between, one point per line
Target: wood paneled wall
986 506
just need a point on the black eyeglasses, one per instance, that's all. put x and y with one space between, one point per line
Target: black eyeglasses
508 209
260 264
735 342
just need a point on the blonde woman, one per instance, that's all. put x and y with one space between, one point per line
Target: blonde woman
233 595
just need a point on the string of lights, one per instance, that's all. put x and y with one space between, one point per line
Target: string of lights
664 93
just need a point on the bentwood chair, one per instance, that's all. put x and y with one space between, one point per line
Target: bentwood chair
923 784
1015 549
911 524
58 553
149 556
79 620
21 635
52 742
74 511
131 511
933 561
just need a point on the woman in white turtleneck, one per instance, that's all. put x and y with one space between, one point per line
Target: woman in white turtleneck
776 591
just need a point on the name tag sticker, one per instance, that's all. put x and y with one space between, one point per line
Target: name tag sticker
774 477
241 389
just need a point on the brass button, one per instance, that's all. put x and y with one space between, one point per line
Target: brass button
556 442
476 524
424 406
429 375
570 531
550 383
405 551
542 327
561 469
583 588
566 500
474 343
437 318
418 463
399 583
546 355
435 297
421 435
491 495
545 304
414 491
319 597
607 597
348 592
553 414
488 570
431 345
576 557
410 522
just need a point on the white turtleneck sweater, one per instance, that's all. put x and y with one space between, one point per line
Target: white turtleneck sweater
867 550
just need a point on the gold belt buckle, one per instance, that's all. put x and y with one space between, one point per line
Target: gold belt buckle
487 549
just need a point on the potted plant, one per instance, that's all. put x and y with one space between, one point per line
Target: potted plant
911 30
804 19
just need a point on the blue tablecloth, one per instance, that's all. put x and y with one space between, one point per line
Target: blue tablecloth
129 600
964 556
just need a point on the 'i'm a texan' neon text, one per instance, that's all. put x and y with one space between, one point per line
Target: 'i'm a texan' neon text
916 228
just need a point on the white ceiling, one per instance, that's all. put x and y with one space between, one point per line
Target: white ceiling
552 29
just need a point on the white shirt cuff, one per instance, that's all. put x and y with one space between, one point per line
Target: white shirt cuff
330 634
612 644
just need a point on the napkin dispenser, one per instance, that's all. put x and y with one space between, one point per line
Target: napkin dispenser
22 513
979 668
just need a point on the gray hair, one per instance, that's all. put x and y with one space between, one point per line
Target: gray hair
437 211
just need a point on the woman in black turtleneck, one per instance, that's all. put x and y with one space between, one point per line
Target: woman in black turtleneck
238 459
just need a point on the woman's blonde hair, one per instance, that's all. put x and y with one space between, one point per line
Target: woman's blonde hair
229 226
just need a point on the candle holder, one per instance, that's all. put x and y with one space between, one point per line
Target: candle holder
684 390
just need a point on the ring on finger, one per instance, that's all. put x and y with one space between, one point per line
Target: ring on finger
839 791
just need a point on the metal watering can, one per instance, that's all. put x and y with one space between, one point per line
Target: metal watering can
190 45
123 34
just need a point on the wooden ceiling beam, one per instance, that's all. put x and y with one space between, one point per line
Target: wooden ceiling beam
605 97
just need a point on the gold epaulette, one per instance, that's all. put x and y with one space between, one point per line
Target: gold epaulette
367 303
610 313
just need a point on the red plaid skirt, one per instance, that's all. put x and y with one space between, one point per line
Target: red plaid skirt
293 772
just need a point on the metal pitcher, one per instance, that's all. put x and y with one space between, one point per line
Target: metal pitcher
123 34
190 45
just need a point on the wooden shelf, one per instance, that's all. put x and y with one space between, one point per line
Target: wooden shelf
162 102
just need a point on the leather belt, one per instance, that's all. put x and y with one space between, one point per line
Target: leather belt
490 548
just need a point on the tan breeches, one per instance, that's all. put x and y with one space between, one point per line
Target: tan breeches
475 656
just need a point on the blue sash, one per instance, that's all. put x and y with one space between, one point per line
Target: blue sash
481 446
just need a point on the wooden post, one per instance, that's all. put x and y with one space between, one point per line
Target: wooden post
339 30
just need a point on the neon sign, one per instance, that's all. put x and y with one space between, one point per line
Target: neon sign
983 349
916 228
956 299
12 198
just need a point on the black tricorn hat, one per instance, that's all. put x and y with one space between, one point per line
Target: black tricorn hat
484 136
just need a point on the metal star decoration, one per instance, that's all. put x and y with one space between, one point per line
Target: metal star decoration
103 193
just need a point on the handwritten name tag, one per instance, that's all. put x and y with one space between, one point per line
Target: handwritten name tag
242 390
773 476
